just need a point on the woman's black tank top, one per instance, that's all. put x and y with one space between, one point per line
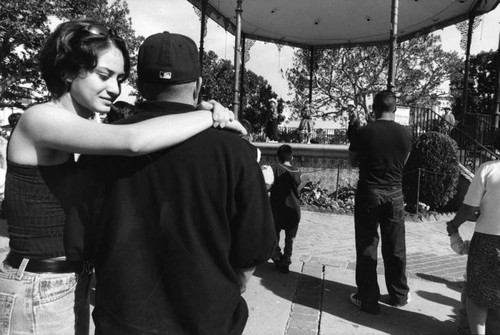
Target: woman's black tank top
35 201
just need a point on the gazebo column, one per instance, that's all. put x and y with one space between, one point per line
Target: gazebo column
237 59
242 75
204 6
496 108
311 73
391 78
465 93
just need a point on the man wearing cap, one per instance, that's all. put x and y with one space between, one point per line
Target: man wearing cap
176 233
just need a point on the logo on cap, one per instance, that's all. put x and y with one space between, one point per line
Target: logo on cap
165 75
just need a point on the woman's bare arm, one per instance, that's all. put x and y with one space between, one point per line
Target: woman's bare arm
50 127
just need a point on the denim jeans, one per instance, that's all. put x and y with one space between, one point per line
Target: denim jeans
43 303
384 207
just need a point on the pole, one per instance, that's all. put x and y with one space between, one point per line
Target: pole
237 59
338 176
204 5
242 75
496 108
418 191
311 73
465 93
391 79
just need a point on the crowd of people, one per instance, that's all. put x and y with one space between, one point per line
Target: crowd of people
173 215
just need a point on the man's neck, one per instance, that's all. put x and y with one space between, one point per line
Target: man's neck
386 116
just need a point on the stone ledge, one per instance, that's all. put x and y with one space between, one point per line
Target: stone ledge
409 217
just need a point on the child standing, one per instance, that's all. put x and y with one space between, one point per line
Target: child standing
285 204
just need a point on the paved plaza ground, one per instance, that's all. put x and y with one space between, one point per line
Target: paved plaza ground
313 299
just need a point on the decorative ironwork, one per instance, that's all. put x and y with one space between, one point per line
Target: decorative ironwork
463 28
248 44
204 24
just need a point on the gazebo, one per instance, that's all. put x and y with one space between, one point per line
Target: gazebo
320 24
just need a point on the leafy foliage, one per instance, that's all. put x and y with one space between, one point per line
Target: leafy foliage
314 194
24 26
481 85
218 79
436 155
359 72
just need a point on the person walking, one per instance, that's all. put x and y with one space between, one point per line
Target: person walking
177 233
380 149
285 204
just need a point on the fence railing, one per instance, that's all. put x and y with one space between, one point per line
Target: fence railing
472 153
478 126
320 135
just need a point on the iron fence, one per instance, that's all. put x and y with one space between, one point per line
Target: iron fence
320 135
473 135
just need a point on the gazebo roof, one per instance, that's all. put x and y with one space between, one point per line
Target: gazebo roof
336 23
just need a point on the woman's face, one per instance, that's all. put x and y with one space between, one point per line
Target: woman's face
97 89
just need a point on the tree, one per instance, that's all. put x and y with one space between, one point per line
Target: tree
359 72
481 86
218 81
24 26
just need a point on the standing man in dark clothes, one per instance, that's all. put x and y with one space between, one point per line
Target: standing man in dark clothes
285 204
177 233
380 149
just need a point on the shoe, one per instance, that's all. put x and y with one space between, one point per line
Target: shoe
283 268
276 258
394 303
354 298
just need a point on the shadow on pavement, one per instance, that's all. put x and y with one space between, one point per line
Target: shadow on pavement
457 286
280 284
340 316
437 298
391 320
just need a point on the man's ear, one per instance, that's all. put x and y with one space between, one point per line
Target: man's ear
196 93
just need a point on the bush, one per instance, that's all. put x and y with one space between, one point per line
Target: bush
288 135
314 194
436 155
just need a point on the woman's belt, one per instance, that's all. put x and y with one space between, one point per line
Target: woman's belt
15 259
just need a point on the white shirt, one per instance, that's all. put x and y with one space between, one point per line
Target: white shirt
484 192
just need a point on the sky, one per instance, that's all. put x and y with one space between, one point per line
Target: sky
153 16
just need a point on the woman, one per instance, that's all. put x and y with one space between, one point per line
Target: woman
483 265
83 64
306 124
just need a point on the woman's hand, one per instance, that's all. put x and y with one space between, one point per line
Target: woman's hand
222 116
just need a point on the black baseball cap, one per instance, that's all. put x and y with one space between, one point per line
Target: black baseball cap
168 58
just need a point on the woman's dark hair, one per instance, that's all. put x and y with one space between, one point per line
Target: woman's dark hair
119 110
13 119
75 46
